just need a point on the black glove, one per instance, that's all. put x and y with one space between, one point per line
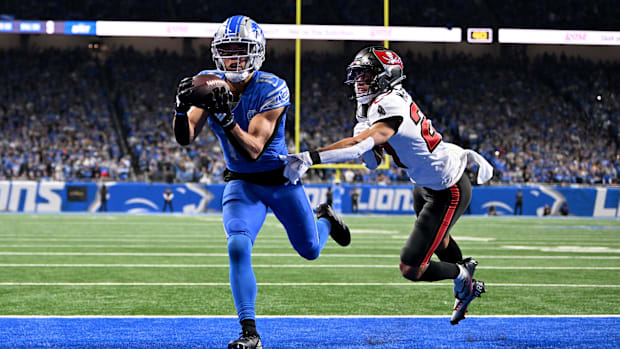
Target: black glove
218 105
181 106
184 89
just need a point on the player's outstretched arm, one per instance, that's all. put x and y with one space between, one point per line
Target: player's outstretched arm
343 150
380 132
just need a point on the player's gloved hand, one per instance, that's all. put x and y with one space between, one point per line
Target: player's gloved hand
218 104
184 89
361 127
298 164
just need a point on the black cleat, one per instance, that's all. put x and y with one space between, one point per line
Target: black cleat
339 232
246 341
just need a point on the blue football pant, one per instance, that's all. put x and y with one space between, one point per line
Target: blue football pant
244 210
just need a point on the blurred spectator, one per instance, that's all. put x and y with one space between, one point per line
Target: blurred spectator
551 120
168 196
355 198
564 209
519 202
103 197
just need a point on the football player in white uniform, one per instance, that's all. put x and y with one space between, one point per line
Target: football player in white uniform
388 119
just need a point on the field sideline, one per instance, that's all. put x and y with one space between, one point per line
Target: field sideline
75 267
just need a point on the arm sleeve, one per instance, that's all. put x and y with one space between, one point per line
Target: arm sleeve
181 128
350 153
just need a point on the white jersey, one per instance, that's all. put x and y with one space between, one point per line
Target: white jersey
416 146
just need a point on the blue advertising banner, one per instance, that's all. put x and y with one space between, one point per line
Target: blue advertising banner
6 26
81 28
29 196
30 27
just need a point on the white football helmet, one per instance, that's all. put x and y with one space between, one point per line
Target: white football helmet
248 36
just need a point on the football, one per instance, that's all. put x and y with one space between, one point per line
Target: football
203 85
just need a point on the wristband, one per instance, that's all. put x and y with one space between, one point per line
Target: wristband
315 157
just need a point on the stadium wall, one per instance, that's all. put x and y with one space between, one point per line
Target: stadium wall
41 197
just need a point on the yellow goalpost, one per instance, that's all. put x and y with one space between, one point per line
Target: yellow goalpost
338 166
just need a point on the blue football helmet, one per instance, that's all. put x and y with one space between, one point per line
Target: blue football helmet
240 38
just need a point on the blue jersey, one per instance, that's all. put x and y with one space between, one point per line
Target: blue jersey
263 92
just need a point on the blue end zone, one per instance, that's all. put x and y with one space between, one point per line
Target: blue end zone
365 332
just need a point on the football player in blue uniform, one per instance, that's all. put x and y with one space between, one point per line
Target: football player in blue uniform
249 123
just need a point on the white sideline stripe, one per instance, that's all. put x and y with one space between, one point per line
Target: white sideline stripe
326 255
408 284
585 249
370 231
388 266
194 247
196 239
262 246
204 246
199 224
292 316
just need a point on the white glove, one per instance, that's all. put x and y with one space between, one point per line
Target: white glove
296 165
361 127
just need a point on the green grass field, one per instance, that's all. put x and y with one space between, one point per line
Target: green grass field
177 265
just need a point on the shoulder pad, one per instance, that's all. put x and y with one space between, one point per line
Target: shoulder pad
387 105
274 90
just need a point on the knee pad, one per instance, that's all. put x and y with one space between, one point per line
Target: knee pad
411 257
239 246
236 226
309 253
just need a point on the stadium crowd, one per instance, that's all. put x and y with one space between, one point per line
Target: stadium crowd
54 118
568 14
551 120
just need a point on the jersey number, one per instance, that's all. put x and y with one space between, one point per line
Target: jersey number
431 137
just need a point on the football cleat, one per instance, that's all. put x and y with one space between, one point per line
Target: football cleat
460 305
246 341
339 232
463 287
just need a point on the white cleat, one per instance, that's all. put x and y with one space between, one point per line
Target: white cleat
460 305
463 287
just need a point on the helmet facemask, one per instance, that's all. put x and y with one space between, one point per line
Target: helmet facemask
246 57
363 80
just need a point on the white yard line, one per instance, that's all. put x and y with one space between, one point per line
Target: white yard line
407 284
326 255
145 239
373 231
221 245
175 224
369 266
